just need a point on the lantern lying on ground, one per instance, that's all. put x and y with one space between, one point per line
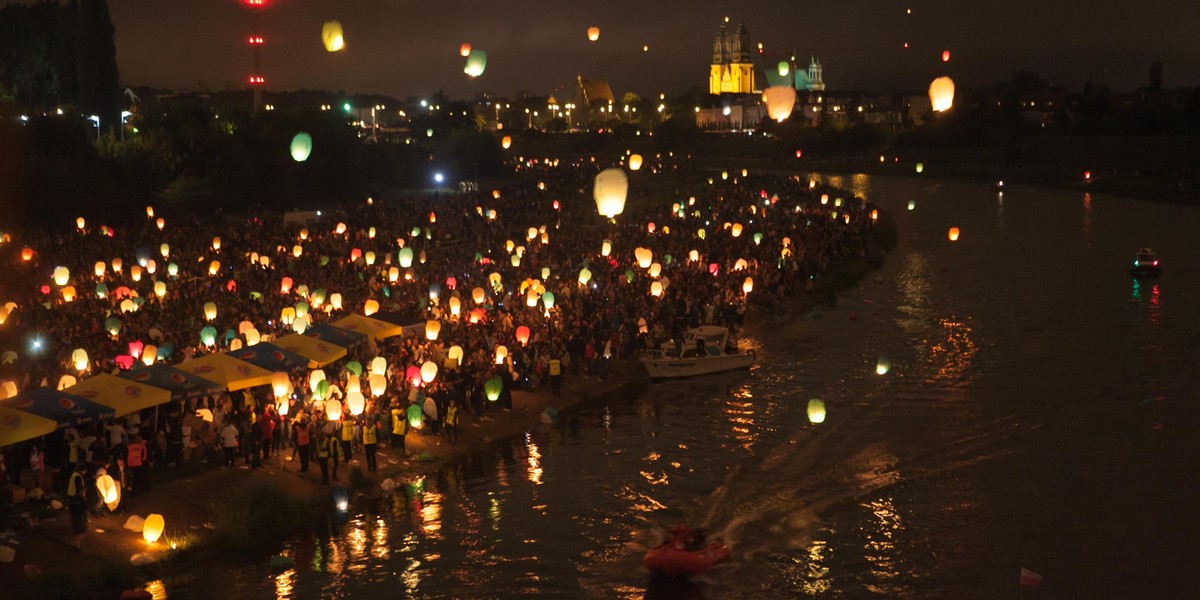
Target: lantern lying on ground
152 529
492 388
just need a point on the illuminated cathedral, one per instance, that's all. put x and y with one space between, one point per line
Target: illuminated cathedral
732 69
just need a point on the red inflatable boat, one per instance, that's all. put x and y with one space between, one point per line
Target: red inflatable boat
681 555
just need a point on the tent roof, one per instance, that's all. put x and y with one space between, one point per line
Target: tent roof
319 351
17 426
369 326
64 409
228 371
122 395
181 384
272 357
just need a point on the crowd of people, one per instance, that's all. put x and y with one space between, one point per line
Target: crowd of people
718 241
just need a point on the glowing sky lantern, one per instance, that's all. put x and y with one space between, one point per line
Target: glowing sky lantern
340 229
492 389
110 492
501 354
610 190
593 33
79 359
941 93
26 254
816 411
656 289
379 366
920 167
945 56
506 142
584 276
523 335
214 267
165 250
416 417
160 289
464 50
335 300
208 336
80 223
883 365
160 223
315 377
780 101
548 300
748 285
371 307
100 268
331 36
635 162
432 329
455 353
644 257
736 230
61 275
210 311
333 410
606 248
279 384
429 371
355 402
153 527
476 63
406 257
478 295
302 145
377 384
655 269
953 234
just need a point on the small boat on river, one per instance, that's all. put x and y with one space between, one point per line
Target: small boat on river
685 553
704 350
1145 264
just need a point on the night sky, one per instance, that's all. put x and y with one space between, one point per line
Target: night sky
402 48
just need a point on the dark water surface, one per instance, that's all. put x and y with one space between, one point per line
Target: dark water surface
1041 413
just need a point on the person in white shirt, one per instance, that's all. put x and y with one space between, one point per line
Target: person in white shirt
229 442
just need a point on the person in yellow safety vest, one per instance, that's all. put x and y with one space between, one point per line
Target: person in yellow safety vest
370 439
328 447
452 422
399 428
555 375
347 439
77 503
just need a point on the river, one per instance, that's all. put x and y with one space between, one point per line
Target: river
1039 413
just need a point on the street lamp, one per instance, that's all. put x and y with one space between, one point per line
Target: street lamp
124 115
96 119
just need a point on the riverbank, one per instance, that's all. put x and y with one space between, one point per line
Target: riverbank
47 565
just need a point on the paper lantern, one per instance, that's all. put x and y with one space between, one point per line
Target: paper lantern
816 411
378 384
214 267
355 402
135 273
501 354
379 366
208 336
531 299
65 382
8 389
253 337
406 257
160 223
953 234
152 529
748 285
635 162
61 275
285 403
428 371
333 408
610 189
455 306
476 63
335 300
355 369
656 289
68 293
331 36
149 355
941 94
606 248
172 269
523 335
416 416
492 389
301 146
593 33
740 265
478 295
27 254
655 269
110 494
371 307
548 300
644 257
100 268
79 359
780 101
210 311
455 353
279 384
584 276
340 229
883 365
369 258
160 289
432 329
413 374
464 50
315 377
945 56
506 142
495 280
736 230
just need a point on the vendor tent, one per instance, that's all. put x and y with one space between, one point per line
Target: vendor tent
17 426
181 384
228 371
122 395
316 350
66 410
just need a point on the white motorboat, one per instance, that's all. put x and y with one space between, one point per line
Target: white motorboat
702 352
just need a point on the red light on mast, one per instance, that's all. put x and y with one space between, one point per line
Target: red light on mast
257 80
256 40
254 2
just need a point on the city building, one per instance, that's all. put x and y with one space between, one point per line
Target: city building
732 69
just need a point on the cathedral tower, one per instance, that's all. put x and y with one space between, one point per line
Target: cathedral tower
732 69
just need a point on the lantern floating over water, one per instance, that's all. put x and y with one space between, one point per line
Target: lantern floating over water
941 94
476 63
152 529
816 411
883 365
953 234
302 145
610 189
593 33
780 101
331 36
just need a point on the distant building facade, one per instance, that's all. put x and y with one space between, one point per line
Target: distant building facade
732 69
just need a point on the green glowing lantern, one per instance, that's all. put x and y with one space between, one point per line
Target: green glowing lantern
101 290
355 367
492 388
548 300
318 297
301 309
476 63
784 68
322 390
406 258
758 238
113 326
816 411
629 276
301 147
416 417
173 270
208 336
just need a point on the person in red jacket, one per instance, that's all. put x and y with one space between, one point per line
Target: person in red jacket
135 458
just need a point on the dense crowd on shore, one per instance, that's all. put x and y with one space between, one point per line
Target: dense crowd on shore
719 241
